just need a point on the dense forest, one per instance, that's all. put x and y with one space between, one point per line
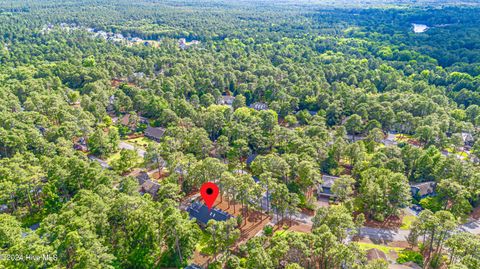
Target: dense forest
269 99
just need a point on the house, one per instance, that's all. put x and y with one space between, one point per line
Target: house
259 106
142 120
423 189
115 119
125 120
147 185
183 44
227 100
142 177
468 139
154 133
111 104
138 75
79 147
355 138
81 144
200 212
326 186
150 187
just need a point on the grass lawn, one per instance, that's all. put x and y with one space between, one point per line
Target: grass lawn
113 157
382 248
139 142
407 221
110 160
454 151
282 233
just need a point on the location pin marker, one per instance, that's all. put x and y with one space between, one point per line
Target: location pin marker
209 192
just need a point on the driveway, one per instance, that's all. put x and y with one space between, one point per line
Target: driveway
125 145
102 163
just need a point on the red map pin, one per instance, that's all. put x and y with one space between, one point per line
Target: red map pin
209 192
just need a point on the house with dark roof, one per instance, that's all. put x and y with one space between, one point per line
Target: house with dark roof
154 133
142 177
259 106
200 212
150 187
147 185
324 189
423 189
81 144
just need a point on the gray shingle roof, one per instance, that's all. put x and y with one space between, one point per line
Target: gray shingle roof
155 132
259 106
200 212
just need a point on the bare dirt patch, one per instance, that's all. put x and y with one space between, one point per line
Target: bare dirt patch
253 221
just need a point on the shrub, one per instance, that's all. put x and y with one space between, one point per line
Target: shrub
233 262
410 256
268 230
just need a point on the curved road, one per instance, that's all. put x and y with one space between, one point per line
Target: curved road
383 236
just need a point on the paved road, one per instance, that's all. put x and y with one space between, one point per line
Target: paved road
299 217
102 163
125 145
383 236
472 227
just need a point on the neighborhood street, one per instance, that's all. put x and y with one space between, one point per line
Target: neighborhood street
384 236
472 227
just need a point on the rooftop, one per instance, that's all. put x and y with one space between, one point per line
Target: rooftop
259 106
155 132
200 212
424 188
328 181
227 100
